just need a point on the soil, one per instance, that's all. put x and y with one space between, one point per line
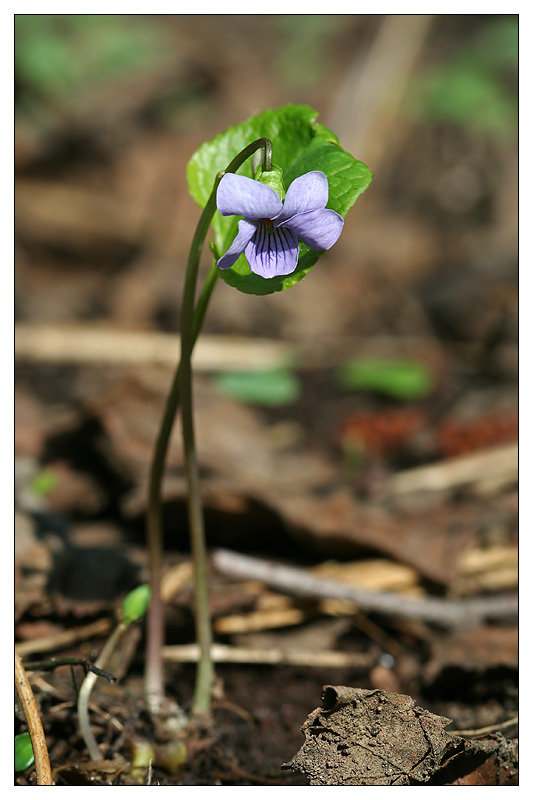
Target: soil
335 482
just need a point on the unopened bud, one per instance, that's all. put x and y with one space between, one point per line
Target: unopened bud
135 604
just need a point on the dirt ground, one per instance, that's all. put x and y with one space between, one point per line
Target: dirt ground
413 494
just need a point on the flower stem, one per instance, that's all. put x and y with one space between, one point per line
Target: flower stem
181 390
155 618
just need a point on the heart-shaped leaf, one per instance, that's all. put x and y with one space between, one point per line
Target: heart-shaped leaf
300 145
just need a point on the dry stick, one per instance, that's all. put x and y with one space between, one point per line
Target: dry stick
149 773
46 644
495 464
228 654
88 344
294 581
35 726
69 661
38 343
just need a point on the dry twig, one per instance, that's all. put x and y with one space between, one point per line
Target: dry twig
35 726
294 581
96 345
499 466
91 345
47 644
226 654
70 661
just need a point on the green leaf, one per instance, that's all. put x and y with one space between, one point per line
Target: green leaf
24 757
135 604
274 387
403 380
300 144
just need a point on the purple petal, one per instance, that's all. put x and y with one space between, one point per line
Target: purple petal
245 197
317 229
307 193
272 251
246 231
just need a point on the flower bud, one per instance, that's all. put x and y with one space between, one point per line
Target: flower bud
273 178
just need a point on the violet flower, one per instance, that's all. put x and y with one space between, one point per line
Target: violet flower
268 234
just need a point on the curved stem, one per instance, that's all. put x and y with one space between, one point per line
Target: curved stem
191 325
87 687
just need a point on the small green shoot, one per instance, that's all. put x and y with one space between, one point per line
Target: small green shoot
134 607
24 757
135 604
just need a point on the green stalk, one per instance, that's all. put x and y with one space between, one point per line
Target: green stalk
155 618
204 676
181 390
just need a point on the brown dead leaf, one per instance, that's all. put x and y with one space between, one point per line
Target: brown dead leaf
362 737
340 525
248 464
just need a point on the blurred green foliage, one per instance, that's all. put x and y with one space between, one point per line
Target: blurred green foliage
44 482
304 43
402 380
477 89
62 55
274 387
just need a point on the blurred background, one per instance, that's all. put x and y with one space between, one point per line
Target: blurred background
109 108
369 413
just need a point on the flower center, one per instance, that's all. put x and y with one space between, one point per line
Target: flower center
268 222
